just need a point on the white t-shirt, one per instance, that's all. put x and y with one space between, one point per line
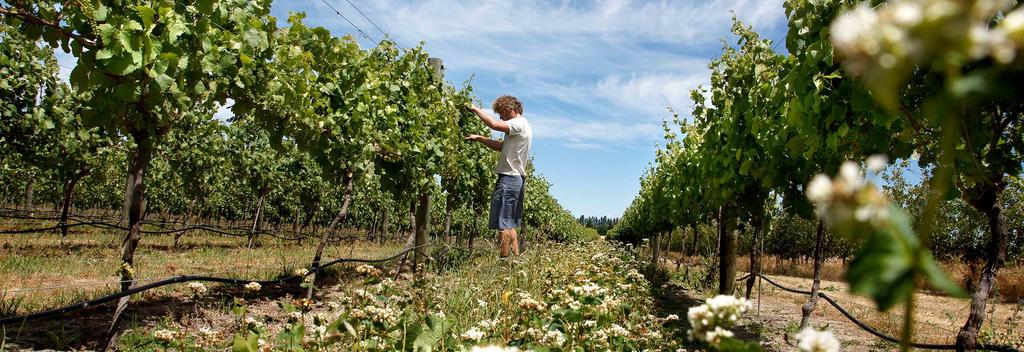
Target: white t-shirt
515 150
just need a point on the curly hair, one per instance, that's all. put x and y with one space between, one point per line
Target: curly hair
507 103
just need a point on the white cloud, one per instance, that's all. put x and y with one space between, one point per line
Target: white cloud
590 73
581 132
650 94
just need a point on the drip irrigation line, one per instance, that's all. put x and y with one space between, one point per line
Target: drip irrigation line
879 334
161 232
150 279
194 278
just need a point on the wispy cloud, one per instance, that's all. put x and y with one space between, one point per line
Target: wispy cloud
597 66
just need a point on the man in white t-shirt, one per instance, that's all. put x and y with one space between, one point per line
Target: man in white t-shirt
507 198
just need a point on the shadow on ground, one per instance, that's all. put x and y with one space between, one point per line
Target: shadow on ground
671 298
87 329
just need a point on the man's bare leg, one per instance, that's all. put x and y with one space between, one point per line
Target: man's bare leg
503 242
514 238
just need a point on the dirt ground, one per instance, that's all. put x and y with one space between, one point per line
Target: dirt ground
938 318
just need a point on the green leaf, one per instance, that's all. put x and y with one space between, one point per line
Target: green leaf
938 278
147 14
204 6
249 343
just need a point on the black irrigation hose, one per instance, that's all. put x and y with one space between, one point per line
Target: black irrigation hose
155 232
877 333
162 224
190 278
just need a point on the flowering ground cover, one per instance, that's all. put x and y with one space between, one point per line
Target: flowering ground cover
556 297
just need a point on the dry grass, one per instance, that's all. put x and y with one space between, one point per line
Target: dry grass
37 274
1009 285
937 317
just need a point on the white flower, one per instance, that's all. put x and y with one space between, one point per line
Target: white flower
714 337
852 32
250 321
300 272
494 349
907 13
1013 25
820 189
473 334
197 288
481 303
488 324
850 173
553 337
671 317
877 162
296 315
811 340
253 286
165 335
707 320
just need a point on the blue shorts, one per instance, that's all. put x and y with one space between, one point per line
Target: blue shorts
507 202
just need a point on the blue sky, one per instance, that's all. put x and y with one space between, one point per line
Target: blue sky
595 77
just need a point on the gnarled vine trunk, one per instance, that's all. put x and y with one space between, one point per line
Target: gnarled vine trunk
69 194
985 200
755 253
256 218
346 200
812 301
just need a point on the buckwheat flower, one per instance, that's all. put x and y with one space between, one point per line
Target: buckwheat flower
367 270
714 337
907 13
296 315
263 346
811 340
590 323
532 304
253 286
1013 26
319 331
300 272
849 172
488 324
671 317
876 162
197 288
617 330
473 334
165 335
494 349
853 36
553 337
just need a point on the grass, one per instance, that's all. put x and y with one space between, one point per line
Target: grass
38 275
481 288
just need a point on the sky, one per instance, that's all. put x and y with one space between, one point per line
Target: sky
596 77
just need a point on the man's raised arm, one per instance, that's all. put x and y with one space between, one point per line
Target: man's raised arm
490 143
491 122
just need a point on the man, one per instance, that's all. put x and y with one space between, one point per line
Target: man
507 198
